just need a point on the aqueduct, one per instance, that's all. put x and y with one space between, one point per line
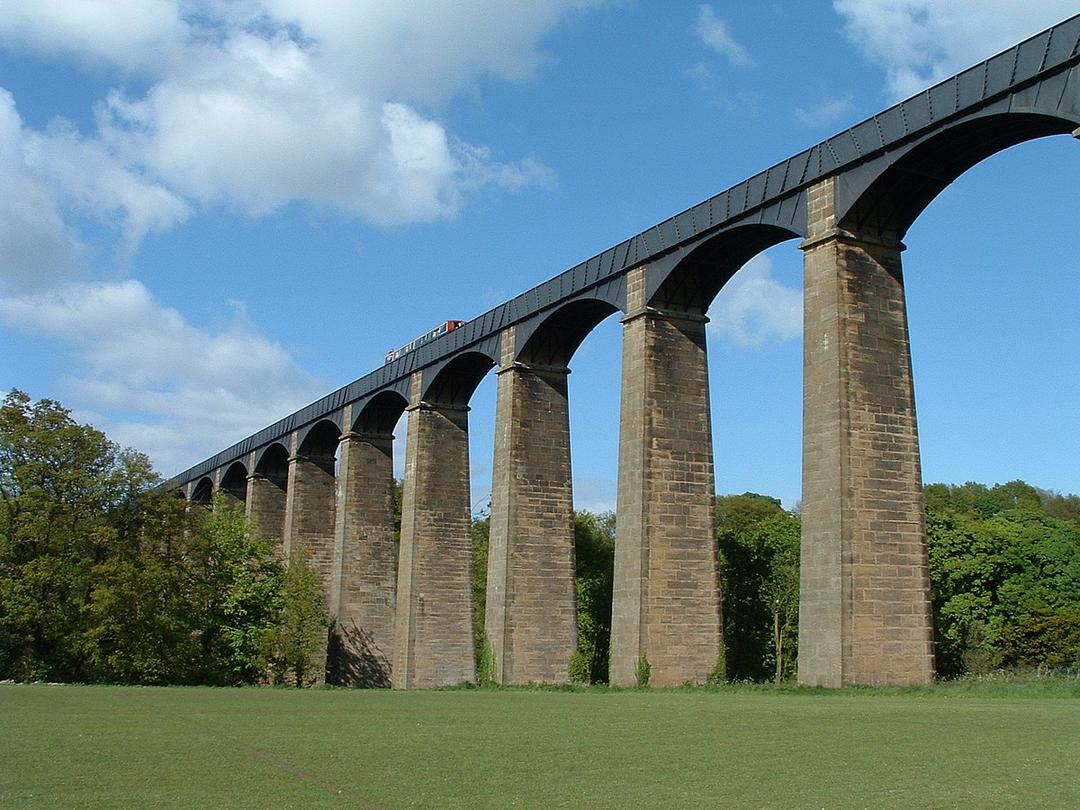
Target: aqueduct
323 476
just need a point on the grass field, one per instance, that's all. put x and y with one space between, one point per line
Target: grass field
973 745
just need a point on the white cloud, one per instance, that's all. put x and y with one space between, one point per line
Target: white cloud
35 243
426 51
825 112
714 32
114 32
176 392
754 308
254 104
46 175
92 180
920 42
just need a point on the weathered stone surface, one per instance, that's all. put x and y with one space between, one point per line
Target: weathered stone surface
864 613
365 563
666 605
265 505
530 620
309 515
433 637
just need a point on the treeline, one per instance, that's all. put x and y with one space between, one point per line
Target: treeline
1005 570
104 577
1004 566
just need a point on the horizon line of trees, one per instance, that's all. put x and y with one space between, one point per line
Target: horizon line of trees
104 577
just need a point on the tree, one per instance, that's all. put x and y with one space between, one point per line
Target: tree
294 645
759 567
1044 638
143 600
980 501
66 492
781 535
1000 566
594 548
106 577
243 594
482 654
1065 507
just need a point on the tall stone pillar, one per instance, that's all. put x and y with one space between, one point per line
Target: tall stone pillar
433 636
310 508
265 504
309 522
864 610
365 562
530 621
666 606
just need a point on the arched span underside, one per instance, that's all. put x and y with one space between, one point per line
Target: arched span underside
380 414
272 463
892 202
328 424
321 443
456 380
234 482
203 493
693 283
553 341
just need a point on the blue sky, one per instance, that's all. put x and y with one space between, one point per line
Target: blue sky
216 212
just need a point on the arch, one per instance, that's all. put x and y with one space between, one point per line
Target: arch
695 280
453 383
326 425
203 492
272 463
884 201
234 481
553 340
972 336
380 413
320 444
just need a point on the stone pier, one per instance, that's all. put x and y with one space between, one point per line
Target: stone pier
309 514
364 579
530 622
309 520
864 613
433 635
666 606
265 505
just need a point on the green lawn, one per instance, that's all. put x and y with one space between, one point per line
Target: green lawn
967 746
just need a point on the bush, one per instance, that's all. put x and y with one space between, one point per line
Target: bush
643 672
296 647
579 667
1044 639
